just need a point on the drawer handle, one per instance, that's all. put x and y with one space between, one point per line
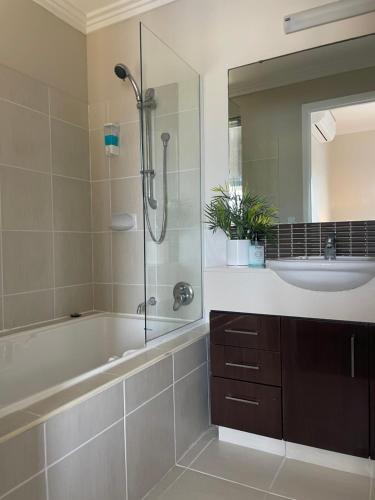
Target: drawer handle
243 332
246 401
247 367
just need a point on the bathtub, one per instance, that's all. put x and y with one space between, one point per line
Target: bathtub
37 363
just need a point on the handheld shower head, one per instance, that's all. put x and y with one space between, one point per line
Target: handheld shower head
123 72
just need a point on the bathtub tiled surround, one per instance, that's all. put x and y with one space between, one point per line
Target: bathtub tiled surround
117 442
45 202
294 240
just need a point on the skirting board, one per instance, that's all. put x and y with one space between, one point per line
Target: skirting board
317 456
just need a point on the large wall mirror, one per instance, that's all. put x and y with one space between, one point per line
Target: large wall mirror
302 132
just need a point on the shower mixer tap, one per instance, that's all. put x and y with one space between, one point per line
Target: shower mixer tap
183 295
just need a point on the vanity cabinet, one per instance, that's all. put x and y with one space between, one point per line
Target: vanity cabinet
307 381
326 384
246 372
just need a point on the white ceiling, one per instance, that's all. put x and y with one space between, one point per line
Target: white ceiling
356 118
91 15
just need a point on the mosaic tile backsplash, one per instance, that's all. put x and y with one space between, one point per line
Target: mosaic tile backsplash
294 240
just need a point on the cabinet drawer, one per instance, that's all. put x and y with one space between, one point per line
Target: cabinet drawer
247 407
245 330
251 365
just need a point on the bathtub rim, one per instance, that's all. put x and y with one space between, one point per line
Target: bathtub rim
159 349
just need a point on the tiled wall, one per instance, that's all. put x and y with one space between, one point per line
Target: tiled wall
46 250
118 444
117 187
292 240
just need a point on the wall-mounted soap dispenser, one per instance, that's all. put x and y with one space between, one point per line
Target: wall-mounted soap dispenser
112 139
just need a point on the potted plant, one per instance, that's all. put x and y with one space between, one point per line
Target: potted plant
241 217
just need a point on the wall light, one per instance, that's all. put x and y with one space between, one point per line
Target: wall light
334 11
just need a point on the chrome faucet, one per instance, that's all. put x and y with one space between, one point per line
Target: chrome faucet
141 308
330 247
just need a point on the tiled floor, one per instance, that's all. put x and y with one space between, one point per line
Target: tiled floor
214 470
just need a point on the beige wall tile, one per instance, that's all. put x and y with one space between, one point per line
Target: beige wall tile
22 89
47 48
73 256
103 297
126 196
94 471
73 427
70 150
27 258
98 112
78 298
126 298
25 199
102 244
27 308
35 489
68 108
149 434
71 204
24 138
127 257
99 161
21 458
124 109
128 163
101 206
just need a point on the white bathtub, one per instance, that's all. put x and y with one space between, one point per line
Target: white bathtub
37 363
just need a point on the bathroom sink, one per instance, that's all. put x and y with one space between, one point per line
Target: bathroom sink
316 273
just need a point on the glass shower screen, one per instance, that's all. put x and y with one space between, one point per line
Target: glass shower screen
171 188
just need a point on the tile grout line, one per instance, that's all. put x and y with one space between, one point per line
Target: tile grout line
19 485
152 398
45 459
52 206
277 473
71 452
191 371
91 217
174 409
125 442
240 484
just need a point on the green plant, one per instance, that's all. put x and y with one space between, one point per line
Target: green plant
241 217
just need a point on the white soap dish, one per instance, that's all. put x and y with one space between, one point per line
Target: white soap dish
123 222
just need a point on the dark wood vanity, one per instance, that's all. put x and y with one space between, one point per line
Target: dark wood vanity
307 381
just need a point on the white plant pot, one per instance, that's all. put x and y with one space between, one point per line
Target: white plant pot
237 252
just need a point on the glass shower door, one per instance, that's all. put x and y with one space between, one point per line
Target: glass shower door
172 188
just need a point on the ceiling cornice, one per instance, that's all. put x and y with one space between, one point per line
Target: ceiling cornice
99 18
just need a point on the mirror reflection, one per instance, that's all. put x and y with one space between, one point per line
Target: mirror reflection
302 132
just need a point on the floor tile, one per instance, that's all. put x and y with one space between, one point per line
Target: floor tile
312 482
198 447
173 475
193 485
237 463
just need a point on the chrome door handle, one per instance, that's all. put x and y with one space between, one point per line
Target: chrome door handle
243 332
247 367
352 356
245 401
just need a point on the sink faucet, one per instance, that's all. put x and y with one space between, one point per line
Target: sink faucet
141 308
330 247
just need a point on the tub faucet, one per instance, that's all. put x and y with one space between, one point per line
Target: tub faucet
141 308
330 247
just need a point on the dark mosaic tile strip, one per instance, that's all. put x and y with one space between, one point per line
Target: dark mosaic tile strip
292 240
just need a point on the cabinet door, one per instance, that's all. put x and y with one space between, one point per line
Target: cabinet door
325 384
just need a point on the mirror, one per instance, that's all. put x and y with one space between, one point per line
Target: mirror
302 132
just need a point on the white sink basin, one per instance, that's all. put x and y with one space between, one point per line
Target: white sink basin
316 273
